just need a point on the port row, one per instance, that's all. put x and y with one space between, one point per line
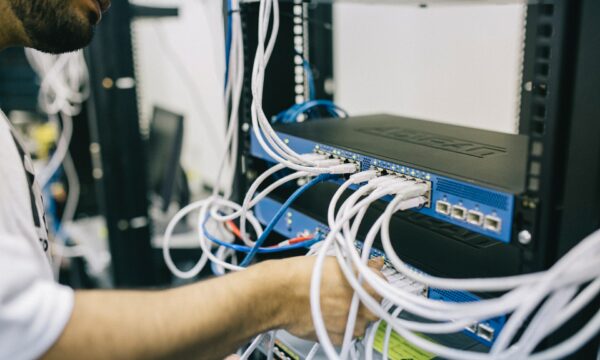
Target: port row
408 177
471 216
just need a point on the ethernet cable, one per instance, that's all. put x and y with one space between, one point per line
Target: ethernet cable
388 334
222 254
337 194
300 174
318 269
253 345
282 210
276 148
238 211
448 304
64 87
292 114
261 250
299 239
59 245
313 352
234 83
262 234
448 355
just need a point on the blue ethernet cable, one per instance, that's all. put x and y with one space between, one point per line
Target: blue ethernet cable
262 250
312 106
282 210
290 115
327 104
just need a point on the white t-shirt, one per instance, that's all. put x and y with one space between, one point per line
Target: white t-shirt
34 309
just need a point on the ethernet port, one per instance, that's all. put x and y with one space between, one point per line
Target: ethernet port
442 207
459 212
472 328
492 223
485 332
475 218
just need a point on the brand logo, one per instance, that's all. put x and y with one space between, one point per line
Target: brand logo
436 141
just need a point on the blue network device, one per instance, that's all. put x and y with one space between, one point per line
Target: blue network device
296 223
474 175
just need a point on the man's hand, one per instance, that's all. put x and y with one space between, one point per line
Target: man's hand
336 296
207 320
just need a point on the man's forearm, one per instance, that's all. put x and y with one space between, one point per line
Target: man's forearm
202 321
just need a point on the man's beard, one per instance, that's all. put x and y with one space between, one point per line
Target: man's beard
53 26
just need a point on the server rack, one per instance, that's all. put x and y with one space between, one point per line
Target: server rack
559 113
117 149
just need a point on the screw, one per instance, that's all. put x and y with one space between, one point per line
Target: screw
524 237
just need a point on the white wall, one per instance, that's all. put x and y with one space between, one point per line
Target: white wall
180 66
458 64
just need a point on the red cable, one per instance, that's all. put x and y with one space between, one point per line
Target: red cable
300 239
236 231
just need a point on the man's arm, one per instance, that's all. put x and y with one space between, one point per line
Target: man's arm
207 320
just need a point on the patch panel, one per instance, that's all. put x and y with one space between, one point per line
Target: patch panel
445 192
485 332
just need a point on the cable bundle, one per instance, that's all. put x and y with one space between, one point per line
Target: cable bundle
64 87
557 294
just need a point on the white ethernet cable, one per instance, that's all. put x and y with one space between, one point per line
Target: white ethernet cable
62 148
59 248
329 240
233 92
229 152
64 87
253 345
203 205
265 135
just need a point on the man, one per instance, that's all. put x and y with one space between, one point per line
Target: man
207 320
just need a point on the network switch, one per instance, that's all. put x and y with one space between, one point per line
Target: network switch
474 175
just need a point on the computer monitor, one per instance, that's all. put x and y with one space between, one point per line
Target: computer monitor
166 176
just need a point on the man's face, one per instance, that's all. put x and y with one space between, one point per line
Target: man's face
57 26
